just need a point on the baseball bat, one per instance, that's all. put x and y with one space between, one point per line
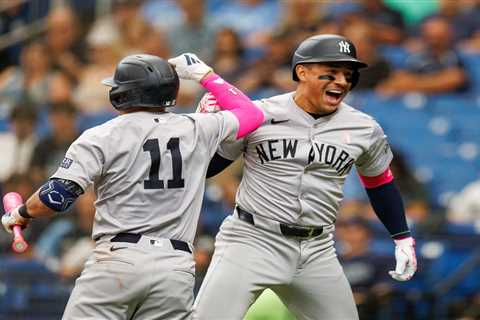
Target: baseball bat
10 201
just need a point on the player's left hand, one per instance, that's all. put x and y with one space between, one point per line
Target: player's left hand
190 67
13 218
406 259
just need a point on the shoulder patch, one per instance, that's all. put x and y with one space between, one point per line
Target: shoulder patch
66 163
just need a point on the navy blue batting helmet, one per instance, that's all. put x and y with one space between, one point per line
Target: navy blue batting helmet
327 48
143 80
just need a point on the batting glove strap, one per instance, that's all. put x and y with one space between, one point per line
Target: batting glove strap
190 67
406 260
13 218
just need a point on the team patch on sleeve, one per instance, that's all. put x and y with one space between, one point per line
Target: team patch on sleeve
66 163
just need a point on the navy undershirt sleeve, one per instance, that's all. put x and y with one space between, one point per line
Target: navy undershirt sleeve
217 165
388 205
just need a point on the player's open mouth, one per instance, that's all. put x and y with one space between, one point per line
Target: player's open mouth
333 96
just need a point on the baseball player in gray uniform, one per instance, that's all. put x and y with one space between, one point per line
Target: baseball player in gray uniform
148 168
280 234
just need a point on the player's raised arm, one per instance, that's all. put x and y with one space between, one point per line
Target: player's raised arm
189 66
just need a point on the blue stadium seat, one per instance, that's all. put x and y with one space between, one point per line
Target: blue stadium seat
472 63
30 291
396 55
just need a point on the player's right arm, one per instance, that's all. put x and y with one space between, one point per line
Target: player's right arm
228 97
228 151
81 165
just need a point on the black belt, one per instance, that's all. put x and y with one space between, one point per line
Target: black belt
134 238
287 230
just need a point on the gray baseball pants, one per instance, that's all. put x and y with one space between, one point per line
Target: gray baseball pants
143 281
305 274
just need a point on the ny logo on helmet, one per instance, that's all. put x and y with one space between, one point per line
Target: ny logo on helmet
344 46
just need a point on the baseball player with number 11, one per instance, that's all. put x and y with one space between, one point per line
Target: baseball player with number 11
148 169
280 234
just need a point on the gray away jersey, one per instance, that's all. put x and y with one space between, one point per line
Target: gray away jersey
295 166
148 170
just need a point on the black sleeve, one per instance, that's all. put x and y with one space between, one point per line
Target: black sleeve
217 165
388 205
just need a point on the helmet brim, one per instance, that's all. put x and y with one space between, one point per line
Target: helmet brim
354 62
109 82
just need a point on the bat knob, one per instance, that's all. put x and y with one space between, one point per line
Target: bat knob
19 246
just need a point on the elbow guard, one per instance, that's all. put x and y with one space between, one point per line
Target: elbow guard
59 194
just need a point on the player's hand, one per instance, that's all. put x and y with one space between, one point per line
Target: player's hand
207 104
14 218
190 67
406 259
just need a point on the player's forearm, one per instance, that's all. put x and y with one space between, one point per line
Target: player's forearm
56 195
387 203
35 208
249 116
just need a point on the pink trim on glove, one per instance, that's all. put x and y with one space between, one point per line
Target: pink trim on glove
249 116
377 181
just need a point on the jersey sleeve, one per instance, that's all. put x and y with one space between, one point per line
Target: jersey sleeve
83 161
378 156
215 128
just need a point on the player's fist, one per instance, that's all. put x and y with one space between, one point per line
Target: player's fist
190 67
406 259
208 104
13 218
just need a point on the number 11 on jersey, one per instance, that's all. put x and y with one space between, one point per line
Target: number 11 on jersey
152 146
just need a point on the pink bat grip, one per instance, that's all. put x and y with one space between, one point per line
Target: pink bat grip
10 201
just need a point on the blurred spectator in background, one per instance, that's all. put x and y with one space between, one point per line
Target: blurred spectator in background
61 89
228 54
155 42
254 20
219 201
125 28
362 33
472 42
272 74
387 22
410 187
300 19
195 33
64 41
66 243
89 96
49 152
29 81
462 15
17 145
204 246
464 207
13 15
366 271
435 68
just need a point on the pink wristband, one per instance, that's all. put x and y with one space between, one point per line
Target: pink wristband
373 182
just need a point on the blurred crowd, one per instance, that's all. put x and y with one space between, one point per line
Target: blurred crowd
54 53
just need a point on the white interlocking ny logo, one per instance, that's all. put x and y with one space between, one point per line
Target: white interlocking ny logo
344 46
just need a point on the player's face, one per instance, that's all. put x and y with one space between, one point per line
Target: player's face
327 84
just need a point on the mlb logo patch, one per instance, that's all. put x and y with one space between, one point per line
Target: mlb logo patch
66 163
